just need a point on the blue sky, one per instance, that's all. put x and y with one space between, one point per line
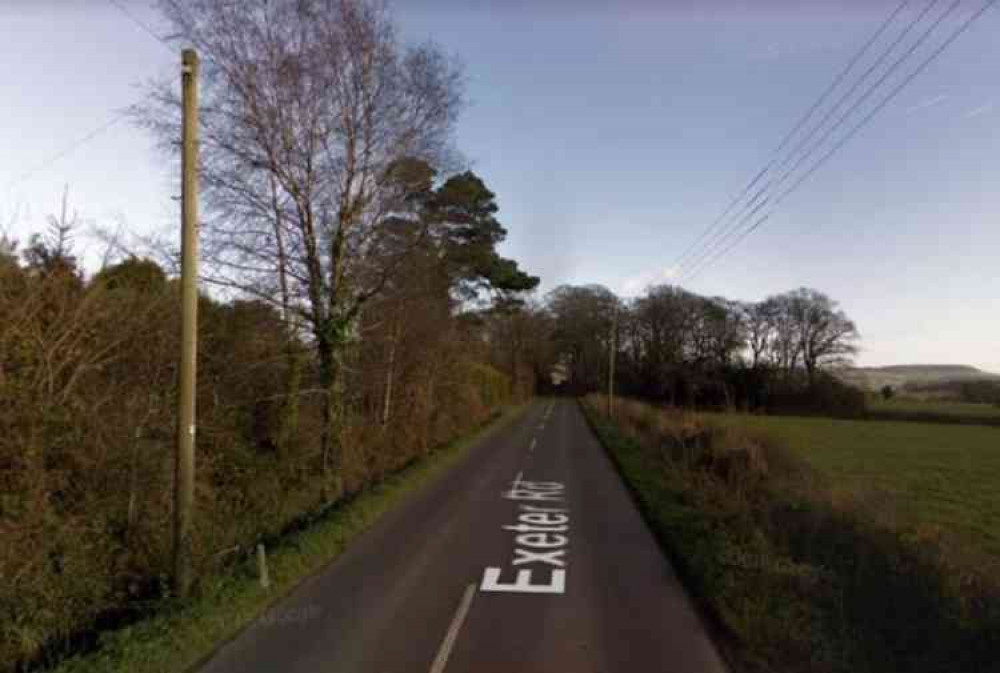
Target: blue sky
613 134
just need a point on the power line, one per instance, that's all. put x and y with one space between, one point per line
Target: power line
719 251
726 232
69 149
95 132
864 76
801 122
843 73
99 130
846 138
141 24
721 239
916 45
736 199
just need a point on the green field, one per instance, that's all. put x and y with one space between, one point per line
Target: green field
938 475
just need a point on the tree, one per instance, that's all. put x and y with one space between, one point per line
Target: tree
720 331
309 108
666 318
826 335
447 259
463 216
519 336
685 349
8 256
785 343
139 275
887 392
759 320
584 317
51 255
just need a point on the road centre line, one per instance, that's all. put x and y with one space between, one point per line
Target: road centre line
441 660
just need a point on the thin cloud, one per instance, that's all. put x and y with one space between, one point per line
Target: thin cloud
986 108
778 50
634 285
924 104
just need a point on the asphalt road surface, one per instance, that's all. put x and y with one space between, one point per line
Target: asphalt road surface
528 556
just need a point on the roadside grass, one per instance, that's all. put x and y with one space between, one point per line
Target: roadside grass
941 480
934 411
797 574
183 634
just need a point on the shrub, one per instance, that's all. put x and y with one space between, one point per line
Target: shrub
87 393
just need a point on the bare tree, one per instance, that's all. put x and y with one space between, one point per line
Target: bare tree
784 347
308 108
826 336
758 321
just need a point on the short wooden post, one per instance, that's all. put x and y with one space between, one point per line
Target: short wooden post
265 581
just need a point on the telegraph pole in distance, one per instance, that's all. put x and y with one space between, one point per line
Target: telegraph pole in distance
184 458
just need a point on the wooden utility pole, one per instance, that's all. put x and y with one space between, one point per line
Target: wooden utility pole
611 361
184 459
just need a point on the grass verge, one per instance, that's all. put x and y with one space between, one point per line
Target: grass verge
798 580
184 634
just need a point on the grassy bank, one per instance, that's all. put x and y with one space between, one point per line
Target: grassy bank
934 411
799 578
182 634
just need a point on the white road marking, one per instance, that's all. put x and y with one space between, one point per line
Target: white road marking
542 535
533 442
452 635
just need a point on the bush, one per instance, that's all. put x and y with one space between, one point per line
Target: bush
826 396
87 395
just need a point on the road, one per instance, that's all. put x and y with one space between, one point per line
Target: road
527 556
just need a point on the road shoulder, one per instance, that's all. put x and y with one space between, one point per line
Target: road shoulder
721 637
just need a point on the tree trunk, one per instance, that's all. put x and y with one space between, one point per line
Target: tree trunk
331 381
290 410
389 375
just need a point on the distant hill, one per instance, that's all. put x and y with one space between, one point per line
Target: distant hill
874 378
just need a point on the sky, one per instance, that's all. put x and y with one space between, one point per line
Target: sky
614 134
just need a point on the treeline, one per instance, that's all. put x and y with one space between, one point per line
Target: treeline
355 314
680 348
985 391
87 423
